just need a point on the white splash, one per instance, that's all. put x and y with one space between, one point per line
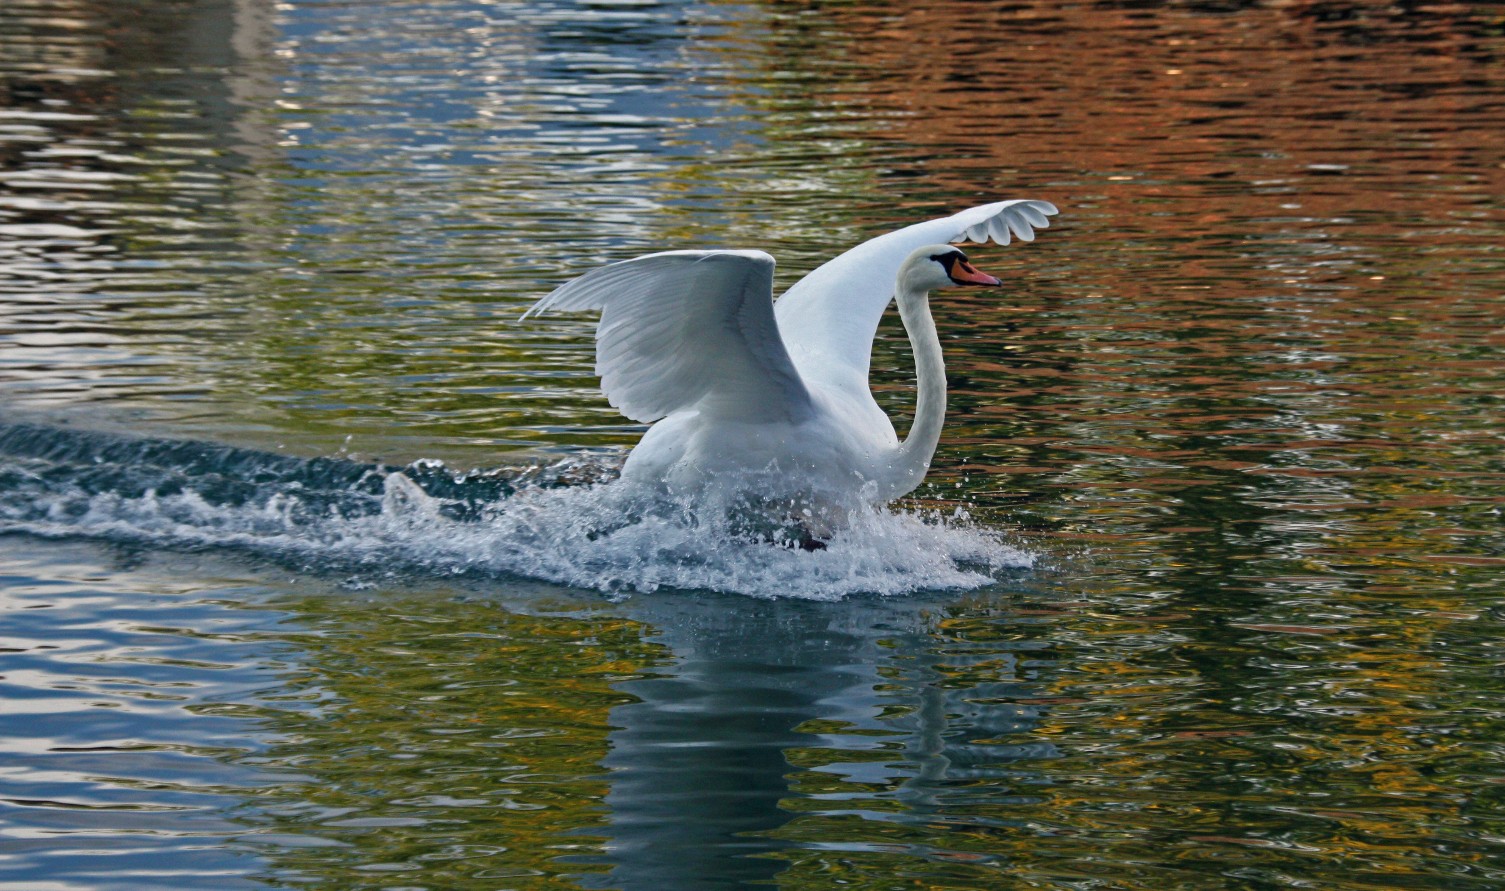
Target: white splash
605 536
608 537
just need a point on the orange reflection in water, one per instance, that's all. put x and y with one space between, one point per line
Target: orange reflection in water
1186 102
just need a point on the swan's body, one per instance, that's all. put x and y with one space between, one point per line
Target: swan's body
771 401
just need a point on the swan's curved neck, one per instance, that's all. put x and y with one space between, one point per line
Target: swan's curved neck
912 458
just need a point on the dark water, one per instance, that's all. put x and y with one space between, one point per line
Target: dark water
310 578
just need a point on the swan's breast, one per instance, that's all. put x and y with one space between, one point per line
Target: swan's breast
840 448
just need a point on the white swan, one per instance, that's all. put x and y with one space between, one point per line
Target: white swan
771 401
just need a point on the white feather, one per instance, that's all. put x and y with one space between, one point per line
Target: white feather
684 330
829 318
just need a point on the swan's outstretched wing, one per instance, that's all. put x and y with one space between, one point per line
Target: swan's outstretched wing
688 329
831 315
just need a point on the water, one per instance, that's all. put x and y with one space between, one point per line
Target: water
305 584
571 523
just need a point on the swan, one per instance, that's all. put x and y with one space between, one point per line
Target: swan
769 402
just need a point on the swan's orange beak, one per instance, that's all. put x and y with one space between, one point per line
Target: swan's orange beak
964 273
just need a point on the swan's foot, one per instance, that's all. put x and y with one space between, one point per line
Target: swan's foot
788 534
794 536
808 541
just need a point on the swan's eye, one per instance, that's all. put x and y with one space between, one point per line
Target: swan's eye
949 260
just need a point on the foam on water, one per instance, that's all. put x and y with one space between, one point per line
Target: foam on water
568 523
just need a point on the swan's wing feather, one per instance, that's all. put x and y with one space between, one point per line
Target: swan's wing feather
688 329
831 315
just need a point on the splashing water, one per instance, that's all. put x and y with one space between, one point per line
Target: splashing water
568 523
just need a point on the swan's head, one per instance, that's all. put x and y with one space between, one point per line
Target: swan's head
940 266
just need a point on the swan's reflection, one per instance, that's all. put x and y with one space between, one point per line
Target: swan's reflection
701 778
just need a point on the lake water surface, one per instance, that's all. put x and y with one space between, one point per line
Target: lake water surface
302 586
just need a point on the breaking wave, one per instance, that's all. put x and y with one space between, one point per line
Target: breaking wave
569 523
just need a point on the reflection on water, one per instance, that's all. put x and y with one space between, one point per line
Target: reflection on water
131 710
441 737
1244 405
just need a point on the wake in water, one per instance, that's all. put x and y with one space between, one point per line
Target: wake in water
570 523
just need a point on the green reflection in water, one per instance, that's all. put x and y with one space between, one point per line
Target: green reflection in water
1058 743
456 743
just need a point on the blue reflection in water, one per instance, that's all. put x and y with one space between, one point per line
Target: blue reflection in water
130 739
